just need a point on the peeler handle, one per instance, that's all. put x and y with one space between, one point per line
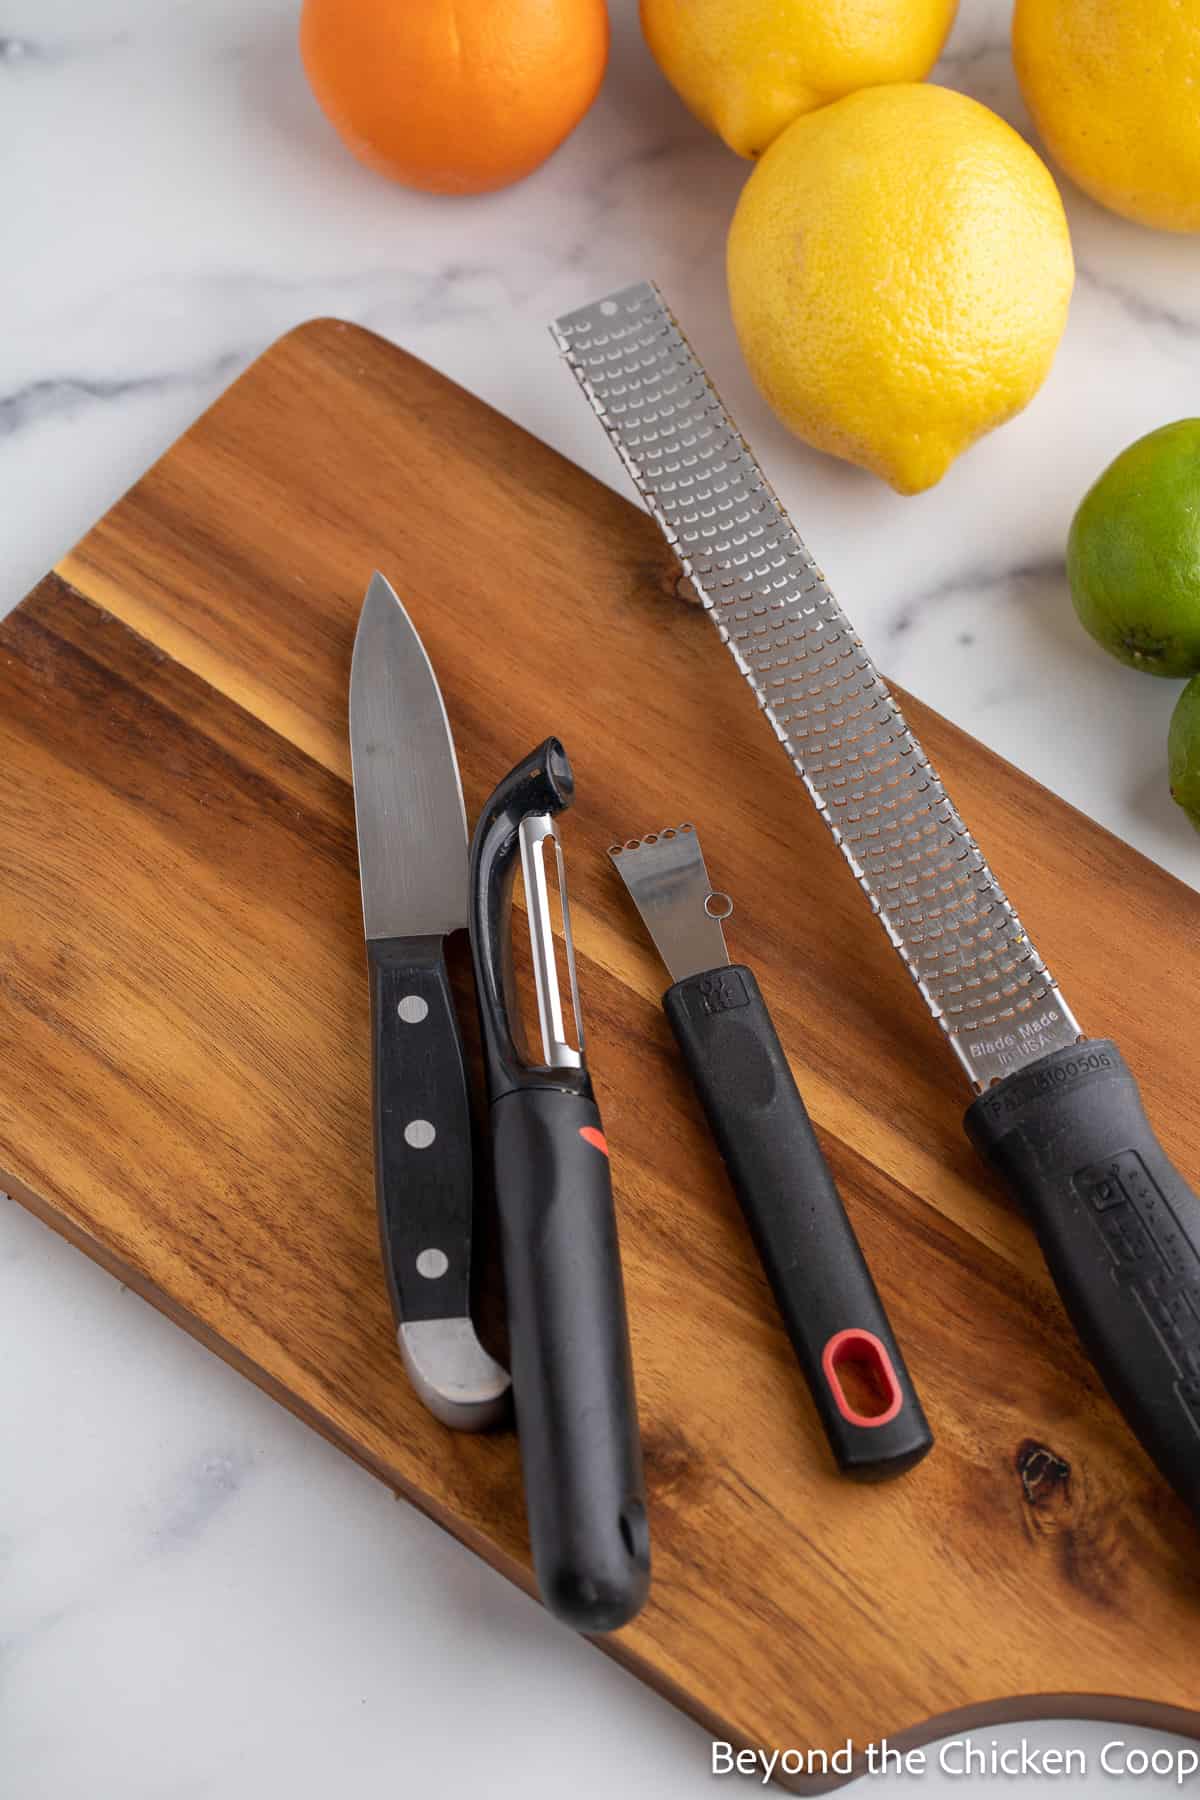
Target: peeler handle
581 1454
1120 1230
822 1286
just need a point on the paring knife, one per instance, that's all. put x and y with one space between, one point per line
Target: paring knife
1058 1115
412 852
572 1375
834 1317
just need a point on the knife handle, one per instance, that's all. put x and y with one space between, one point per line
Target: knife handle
581 1453
1120 1230
822 1286
424 1180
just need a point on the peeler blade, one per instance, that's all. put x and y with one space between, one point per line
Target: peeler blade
537 832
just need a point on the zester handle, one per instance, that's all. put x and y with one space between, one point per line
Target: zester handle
822 1286
1120 1231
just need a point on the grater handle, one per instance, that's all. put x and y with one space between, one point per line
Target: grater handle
1120 1230
817 1271
581 1454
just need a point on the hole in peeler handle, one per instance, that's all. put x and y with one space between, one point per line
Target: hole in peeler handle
861 1378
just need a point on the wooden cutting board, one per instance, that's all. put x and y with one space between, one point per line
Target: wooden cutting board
185 1088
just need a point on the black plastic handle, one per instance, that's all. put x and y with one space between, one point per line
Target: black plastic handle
1120 1231
822 1286
424 1180
572 1376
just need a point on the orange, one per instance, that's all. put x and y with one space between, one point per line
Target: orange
454 96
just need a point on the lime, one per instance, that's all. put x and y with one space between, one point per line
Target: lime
1133 554
1183 751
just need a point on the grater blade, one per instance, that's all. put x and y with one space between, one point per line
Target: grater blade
668 881
922 871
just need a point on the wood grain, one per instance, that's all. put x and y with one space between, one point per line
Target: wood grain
185 1094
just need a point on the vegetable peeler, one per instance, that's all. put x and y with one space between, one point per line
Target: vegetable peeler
818 1274
571 1367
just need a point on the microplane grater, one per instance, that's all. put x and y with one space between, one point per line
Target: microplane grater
922 871
1057 1115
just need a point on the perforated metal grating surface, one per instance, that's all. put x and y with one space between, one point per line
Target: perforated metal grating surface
921 869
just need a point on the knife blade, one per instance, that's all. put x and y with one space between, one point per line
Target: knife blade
412 851
1057 1115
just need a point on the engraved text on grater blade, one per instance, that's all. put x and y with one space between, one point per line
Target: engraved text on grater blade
925 877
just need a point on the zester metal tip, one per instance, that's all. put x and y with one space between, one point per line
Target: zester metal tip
668 882
651 837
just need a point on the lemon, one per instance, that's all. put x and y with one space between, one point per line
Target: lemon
748 69
1114 86
899 274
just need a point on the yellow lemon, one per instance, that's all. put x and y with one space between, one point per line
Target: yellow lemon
1114 86
899 274
747 69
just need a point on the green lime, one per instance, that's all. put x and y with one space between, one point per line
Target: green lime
1183 751
1133 554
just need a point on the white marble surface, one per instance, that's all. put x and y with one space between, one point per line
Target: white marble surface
197 1596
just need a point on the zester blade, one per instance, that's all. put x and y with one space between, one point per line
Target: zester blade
919 866
667 879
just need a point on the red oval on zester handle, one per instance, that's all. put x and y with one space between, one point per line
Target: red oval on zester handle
850 1346
595 1138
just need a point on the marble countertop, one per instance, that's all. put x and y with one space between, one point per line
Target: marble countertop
197 1596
